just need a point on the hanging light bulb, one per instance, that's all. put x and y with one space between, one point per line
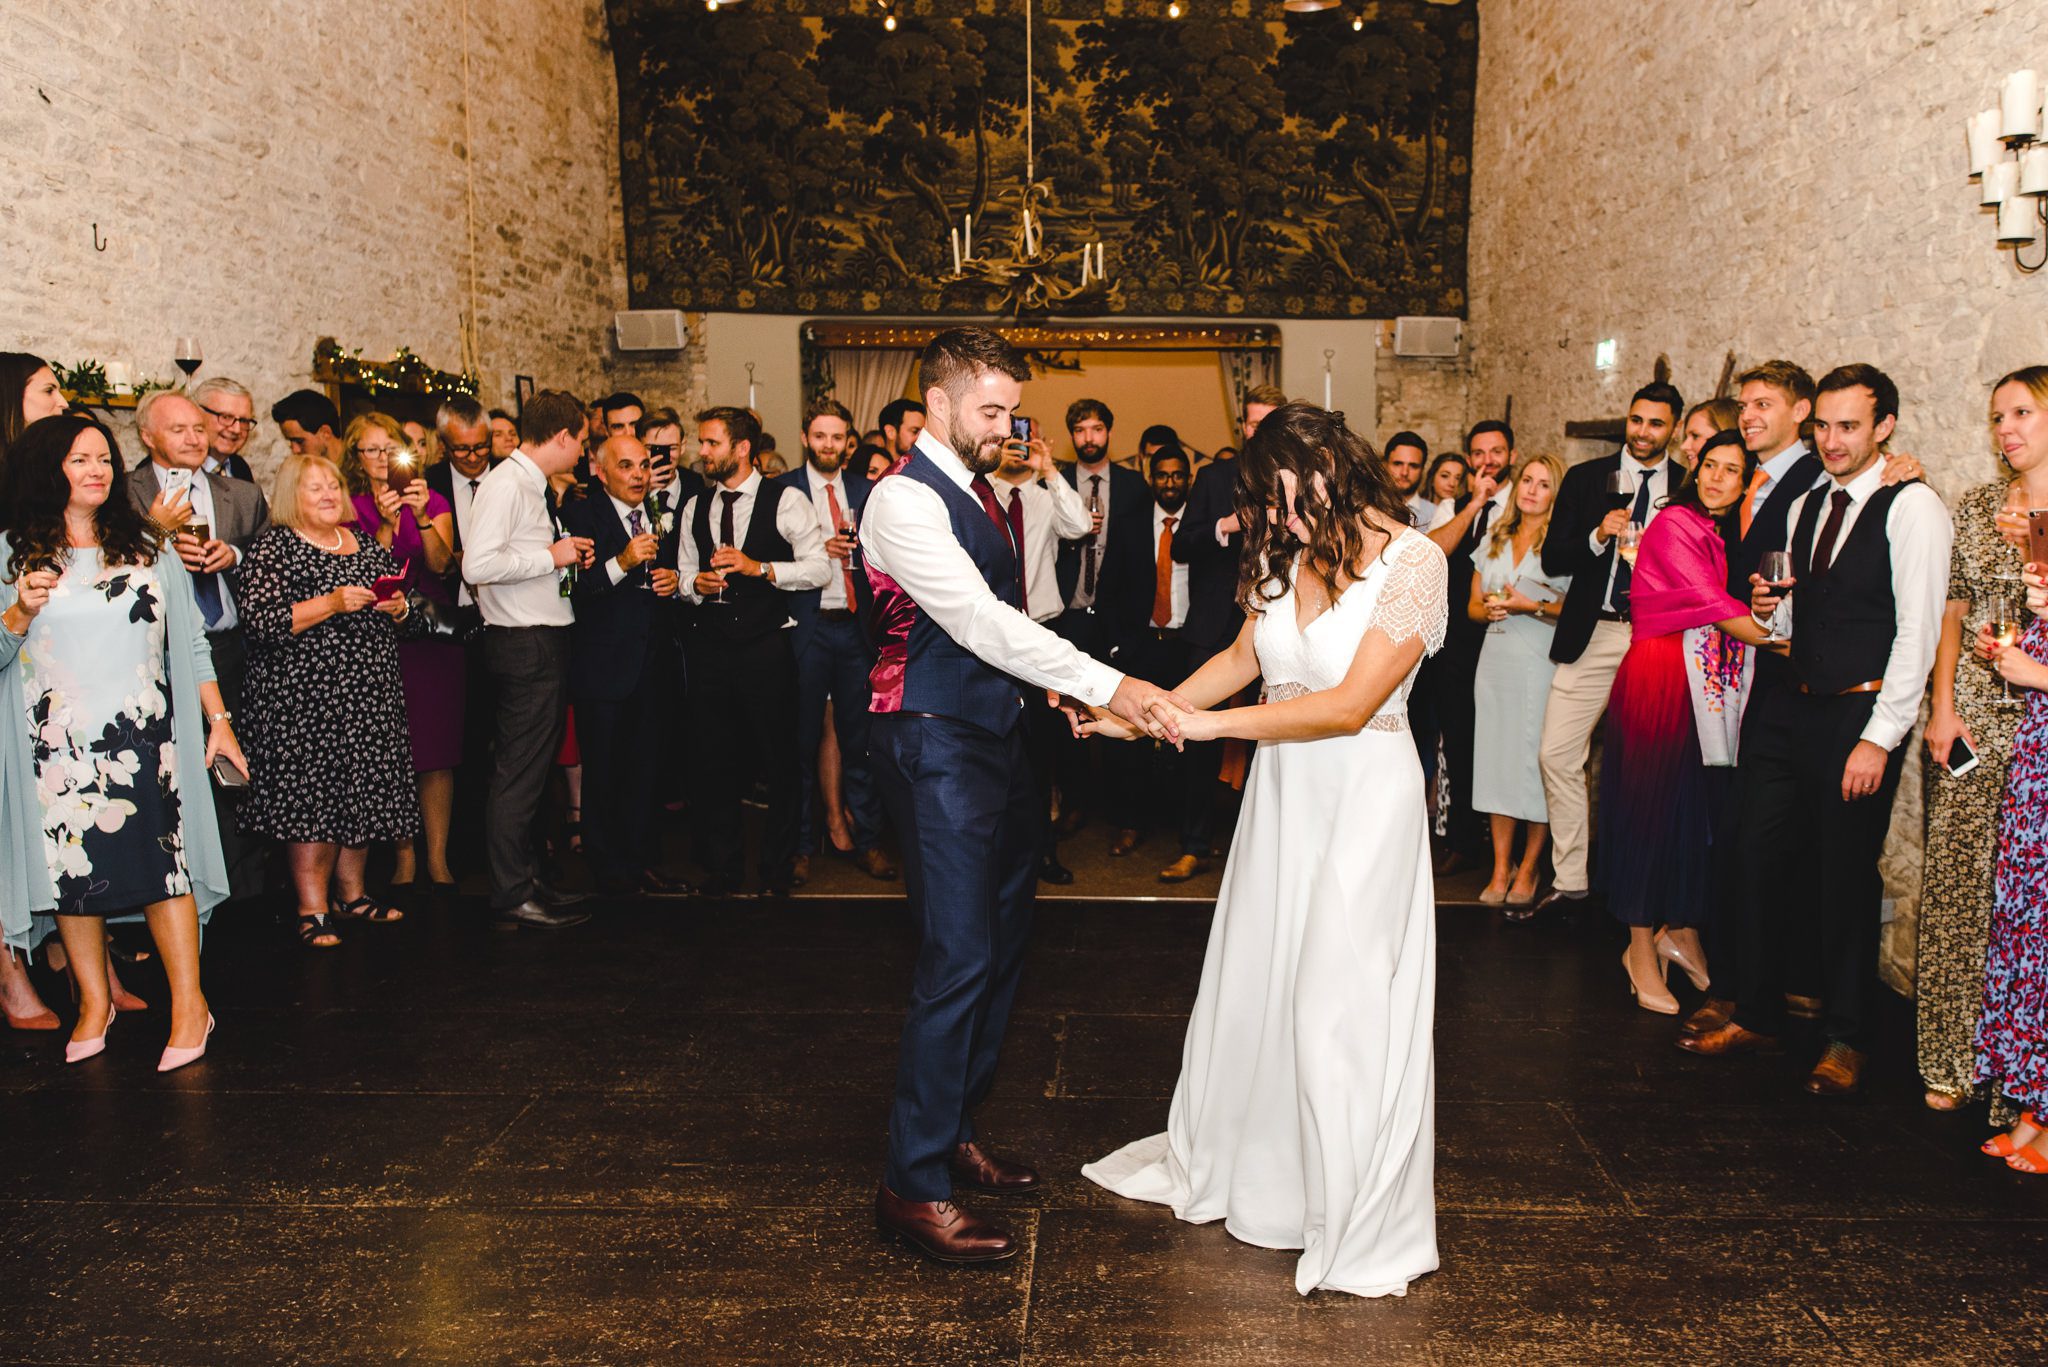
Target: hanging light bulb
890 23
1173 10
711 5
1358 23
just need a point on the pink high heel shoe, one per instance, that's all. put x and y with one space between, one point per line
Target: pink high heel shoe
177 1058
79 1050
1668 950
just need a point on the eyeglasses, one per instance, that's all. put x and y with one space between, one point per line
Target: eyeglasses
480 448
228 420
385 451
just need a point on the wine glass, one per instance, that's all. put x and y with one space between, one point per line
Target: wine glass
1618 488
1775 569
719 597
2002 619
1626 542
1497 595
187 354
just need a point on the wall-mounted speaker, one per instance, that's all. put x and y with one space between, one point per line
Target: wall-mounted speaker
1429 338
651 330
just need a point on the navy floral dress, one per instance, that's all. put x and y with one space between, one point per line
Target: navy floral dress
2012 1034
96 682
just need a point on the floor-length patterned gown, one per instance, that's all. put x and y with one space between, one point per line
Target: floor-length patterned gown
1304 1116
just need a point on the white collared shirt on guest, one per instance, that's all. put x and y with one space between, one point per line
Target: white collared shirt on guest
1448 509
461 500
199 493
1421 511
1178 592
1921 534
832 597
1775 468
508 551
1092 484
809 568
1658 477
908 536
1053 511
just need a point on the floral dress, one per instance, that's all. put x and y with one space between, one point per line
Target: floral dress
2012 1032
96 682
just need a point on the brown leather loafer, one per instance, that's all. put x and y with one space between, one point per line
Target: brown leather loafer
1126 841
1183 868
1714 1013
875 864
1805 1008
799 870
1729 1039
1839 1072
974 1166
941 1230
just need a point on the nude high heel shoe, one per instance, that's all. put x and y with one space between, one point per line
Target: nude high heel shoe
79 1050
1650 999
1668 950
177 1058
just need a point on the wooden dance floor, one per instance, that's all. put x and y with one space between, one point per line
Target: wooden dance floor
655 1139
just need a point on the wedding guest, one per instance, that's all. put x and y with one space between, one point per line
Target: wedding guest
671 471
28 391
1593 625
467 438
417 526
1702 421
1821 760
327 740
520 565
873 462
307 420
504 434
1967 705
566 489
901 421
100 638
1445 482
748 545
616 669
1667 776
671 478
833 654
230 421
621 413
1514 589
1407 457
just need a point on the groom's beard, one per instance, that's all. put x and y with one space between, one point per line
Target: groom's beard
982 455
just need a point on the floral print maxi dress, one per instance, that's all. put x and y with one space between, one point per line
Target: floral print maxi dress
2012 1032
97 686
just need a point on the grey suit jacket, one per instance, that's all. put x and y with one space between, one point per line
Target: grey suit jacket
238 506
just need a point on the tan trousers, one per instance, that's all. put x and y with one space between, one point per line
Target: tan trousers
1578 697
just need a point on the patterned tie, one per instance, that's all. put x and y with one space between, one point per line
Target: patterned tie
1017 536
1824 549
1624 573
839 525
1162 590
1092 552
635 523
1756 482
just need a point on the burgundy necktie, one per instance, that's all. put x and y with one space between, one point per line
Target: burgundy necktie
1017 536
1824 549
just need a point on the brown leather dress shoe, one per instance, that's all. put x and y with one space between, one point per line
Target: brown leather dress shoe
1805 1008
1729 1039
1839 1072
975 1166
1183 868
799 870
942 1230
875 864
1126 841
1714 1013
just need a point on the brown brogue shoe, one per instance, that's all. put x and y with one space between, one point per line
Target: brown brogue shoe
1714 1013
875 865
1126 841
975 1166
1839 1072
941 1230
1183 868
1729 1039
1804 1008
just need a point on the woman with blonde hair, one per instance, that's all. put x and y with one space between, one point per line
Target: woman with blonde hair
1511 590
1702 421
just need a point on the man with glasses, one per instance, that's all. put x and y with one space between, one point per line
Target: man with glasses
467 446
466 442
230 414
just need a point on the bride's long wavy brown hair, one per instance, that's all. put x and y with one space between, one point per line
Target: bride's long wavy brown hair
1308 441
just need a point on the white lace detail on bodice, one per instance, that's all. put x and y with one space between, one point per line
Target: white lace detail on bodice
1402 595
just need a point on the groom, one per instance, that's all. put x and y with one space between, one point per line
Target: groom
954 655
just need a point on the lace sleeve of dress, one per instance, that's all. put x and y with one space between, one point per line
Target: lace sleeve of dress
1412 602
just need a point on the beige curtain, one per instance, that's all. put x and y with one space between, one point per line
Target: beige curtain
865 378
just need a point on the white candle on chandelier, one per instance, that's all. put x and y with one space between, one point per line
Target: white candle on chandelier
970 237
2017 217
2019 99
1101 262
1086 262
1983 141
2034 170
954 233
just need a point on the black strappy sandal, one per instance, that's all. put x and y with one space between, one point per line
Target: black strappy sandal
366 909
314 925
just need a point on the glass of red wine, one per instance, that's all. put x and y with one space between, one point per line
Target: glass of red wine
187 354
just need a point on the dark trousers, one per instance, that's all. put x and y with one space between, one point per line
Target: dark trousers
473 775
834 665
1454 669
620 740
247 856
960 798
1046 732
1794 819
1155 783
1076 762
742 695
529 670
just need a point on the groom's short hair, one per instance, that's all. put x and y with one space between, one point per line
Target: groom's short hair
956 356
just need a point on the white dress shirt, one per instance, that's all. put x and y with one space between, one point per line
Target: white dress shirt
1774 470
810 567
508 552
1921 533
1053 511
461 500
908 536
1177 594
199 494
1084 480
1421 511
1448 509
832 597
1658 477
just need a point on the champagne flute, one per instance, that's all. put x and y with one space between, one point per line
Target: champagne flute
1775 569
2003 622
719 597
1497 595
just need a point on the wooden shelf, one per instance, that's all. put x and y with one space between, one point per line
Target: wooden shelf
108 401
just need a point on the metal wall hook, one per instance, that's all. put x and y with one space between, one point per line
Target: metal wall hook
97 244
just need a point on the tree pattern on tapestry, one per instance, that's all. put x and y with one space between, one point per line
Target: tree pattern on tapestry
795 156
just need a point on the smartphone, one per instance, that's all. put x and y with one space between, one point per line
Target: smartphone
2037 536
1961 758
405 468
1020 429
388 587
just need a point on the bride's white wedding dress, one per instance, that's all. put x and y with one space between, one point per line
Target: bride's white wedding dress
1305 1112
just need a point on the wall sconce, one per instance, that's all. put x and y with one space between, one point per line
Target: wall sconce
2009 157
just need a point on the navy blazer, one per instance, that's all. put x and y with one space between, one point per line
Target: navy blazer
1214 617
803 604
619 626
1123 583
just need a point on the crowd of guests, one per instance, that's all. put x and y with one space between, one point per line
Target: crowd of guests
1747 605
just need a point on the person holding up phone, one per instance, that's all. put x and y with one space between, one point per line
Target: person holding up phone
1969 741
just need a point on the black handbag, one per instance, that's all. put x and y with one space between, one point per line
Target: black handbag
445 621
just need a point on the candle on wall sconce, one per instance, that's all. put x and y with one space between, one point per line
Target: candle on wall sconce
2034 170
2017 218
2019 100
1329 361
2001 182
119 379
1983 141
750 388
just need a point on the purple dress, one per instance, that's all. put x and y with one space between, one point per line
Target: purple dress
2012 1034
430 668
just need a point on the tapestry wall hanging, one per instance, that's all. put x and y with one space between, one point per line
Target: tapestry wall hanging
823 156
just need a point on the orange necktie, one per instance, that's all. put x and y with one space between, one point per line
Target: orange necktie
1162 592
839 525
1756 482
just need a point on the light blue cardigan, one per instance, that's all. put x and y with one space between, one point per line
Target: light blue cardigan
27 897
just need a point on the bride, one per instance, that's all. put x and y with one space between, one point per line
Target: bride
1304 1113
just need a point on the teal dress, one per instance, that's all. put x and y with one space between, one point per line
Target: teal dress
1511 689
105 749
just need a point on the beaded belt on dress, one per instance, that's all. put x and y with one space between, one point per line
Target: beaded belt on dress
1384 721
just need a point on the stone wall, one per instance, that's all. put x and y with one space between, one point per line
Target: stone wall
268 174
